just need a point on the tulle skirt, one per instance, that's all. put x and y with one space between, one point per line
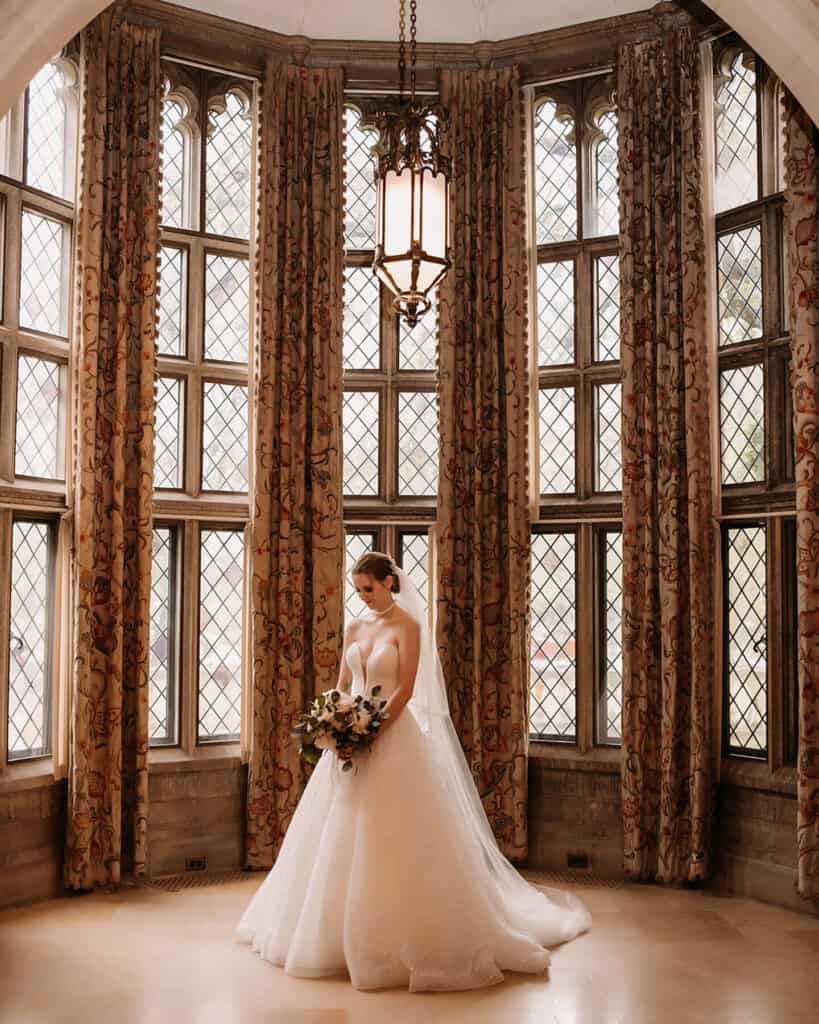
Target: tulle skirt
378 878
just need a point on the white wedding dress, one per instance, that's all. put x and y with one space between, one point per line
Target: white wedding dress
381 875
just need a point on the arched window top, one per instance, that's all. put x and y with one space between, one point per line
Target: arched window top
51 113
601 139
736 116
555 171
180 136
228 161
359 193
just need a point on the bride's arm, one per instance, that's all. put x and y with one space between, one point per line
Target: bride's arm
344 674
409 650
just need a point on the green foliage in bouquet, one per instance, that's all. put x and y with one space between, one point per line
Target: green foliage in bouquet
338 721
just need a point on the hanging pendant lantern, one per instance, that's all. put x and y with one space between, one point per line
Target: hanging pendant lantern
412 248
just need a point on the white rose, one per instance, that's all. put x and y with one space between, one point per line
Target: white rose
326 742
346 702
361 722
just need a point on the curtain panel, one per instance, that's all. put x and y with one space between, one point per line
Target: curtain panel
117 229
801 221
668 540
297 529
483 501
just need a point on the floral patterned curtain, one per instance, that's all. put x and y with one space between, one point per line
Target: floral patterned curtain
483 510
116 273
801 220
668 542
298 543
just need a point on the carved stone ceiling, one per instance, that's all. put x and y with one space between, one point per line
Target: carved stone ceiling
442 21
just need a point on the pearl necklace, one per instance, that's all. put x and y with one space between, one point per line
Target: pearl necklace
386 611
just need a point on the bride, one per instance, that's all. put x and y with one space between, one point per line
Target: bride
390 872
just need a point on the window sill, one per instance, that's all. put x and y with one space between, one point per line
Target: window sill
749 774
568 757
207 759
27 775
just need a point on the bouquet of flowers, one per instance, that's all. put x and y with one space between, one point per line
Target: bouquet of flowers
338 721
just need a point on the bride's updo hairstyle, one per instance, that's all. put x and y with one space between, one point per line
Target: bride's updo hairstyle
379 566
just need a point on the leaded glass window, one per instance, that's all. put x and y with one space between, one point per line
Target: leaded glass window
746 661
202 444
577 460
29 693
40 405
552 698
755 415
228 165
38 138
163 655
220 634
611 690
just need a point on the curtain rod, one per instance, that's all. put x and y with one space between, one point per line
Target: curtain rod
557 79
210 67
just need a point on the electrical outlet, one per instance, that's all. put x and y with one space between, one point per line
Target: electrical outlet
196 863
577 861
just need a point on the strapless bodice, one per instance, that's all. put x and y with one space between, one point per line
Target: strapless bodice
380 669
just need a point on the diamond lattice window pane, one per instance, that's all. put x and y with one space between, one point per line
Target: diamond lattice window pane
418 345
161 699
172 289
555 313
736 156
361 442
415 562
607 308
43 256
418 443
29 710
357 544
608 455
169 433
555 174
739 265
557 461
224 437
38 445
173 165
46 133
359 195
227 199
746 593
552 597
606 181
612 710
227 308
361 319
742 424
220 634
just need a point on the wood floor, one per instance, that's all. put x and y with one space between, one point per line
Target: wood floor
654 956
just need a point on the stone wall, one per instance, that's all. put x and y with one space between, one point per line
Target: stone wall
32 834
756 840
196 809
574 808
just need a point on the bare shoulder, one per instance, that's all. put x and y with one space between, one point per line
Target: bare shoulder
351 628
408 625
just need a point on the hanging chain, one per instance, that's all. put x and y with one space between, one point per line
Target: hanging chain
402 52
413 26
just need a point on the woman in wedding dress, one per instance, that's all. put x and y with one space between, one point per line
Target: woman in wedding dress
390 872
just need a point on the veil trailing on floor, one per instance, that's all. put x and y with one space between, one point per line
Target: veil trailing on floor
430 707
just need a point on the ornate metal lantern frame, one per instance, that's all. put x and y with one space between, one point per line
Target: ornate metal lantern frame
412 177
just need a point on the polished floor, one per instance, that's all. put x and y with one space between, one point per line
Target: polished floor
654 956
